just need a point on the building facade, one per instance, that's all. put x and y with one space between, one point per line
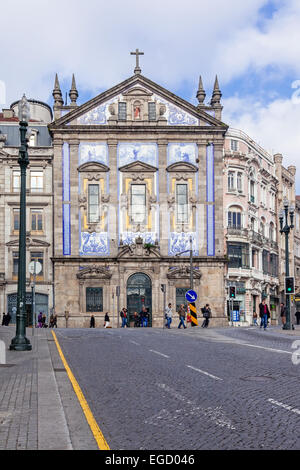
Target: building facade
137 177
38 212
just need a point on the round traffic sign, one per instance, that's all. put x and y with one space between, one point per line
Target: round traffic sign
191 296
34 266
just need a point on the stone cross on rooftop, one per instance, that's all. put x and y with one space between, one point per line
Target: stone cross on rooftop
137 67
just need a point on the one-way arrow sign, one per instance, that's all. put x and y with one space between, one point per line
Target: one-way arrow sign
191 296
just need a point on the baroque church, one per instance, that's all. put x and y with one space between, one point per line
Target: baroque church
137 182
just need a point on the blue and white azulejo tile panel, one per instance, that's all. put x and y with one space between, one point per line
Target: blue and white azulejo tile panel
93 152
137 151
182 152
180 241
96 244
177 116
128 238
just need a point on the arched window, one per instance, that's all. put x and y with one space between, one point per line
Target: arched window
234 219
263 226
271 232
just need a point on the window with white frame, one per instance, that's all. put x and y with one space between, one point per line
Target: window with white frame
36 181
182 203
33 138
234 145
231 181
93 203
234 219
271 232
239 181
138 203
16 181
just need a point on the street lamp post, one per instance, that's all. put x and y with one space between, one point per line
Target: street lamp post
20 342
285 228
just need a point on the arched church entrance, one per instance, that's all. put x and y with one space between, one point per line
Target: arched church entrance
139 294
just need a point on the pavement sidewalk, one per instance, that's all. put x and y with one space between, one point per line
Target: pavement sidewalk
38 407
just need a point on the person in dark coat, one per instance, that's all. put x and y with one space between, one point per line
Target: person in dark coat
297 315
4 319
283 313
206 312
106 320
264 314
92 322
8 318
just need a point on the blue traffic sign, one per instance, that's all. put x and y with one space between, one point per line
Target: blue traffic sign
191 296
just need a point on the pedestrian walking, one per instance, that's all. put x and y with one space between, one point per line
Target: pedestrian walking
4 319
255 319
136 320
206 312
181 314
55 321
40 320
44 324
106 320
264 314
297 315
283 314
168 316
144 316
51 322
7 319
92 322
123 315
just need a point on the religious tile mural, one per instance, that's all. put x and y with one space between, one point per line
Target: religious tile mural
96 244
136 151
180 241
182 152
93 152
128 238
177 116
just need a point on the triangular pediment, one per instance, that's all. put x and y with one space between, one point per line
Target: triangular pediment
29 242
178 111
138 166
93 166
182 167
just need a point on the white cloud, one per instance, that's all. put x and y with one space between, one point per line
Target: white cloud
94 38
276 126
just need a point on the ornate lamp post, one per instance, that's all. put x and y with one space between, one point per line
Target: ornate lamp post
20 342
285 228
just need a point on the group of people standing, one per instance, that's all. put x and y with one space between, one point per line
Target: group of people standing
185 315
264 315
140 319
6 319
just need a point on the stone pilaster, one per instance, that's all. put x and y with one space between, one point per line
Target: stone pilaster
113 215
163 197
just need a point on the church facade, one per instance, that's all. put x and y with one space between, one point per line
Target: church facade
137 182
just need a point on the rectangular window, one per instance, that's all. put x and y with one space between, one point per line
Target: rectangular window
138 203
93 201
180 297
235 220
94 299
16 182
36 220
238 255
231 183
15 264
38 256
239 182
234 145
252 191
266 262
182 203
152 111
36 181
16 220
122 111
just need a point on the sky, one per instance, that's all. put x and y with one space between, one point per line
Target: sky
253 47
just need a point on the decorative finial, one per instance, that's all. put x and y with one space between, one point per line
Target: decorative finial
137 69
216 96
73 94
57 95
201 93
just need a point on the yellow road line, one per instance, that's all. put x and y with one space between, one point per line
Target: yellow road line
100 439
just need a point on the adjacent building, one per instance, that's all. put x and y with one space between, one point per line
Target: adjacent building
39 207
